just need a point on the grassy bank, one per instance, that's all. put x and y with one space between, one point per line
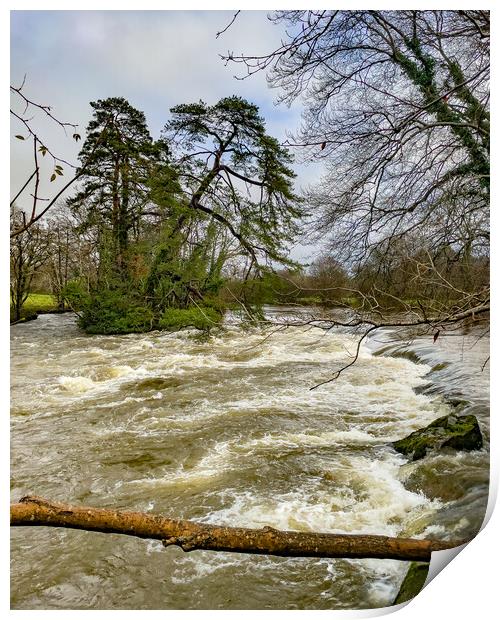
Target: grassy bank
37 303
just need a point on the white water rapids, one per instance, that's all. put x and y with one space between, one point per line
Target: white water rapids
223 431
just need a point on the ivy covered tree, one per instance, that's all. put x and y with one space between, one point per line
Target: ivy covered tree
187 265
396 104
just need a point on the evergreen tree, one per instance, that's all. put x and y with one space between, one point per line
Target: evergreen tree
231 170
115 184
225 192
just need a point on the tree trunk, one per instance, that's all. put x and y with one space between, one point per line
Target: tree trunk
33 510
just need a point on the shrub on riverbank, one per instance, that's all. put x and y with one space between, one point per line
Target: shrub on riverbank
203 318
107 318
120 311
112 312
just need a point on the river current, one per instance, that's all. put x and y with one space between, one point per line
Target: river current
226 431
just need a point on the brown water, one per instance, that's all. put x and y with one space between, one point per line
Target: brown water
226 431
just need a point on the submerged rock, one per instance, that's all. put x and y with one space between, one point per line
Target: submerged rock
452 431
156 383
413 582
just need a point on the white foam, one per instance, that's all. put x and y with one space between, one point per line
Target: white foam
381 505
353 436
76 385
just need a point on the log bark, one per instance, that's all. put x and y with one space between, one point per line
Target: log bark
189 535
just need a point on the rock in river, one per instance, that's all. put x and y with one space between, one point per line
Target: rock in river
458 432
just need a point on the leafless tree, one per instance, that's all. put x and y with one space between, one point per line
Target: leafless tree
29 250
396 104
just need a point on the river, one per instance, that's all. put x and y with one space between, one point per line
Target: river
226 431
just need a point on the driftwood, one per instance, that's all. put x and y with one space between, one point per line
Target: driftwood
33 510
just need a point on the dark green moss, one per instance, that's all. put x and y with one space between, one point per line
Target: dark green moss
413 582
458 432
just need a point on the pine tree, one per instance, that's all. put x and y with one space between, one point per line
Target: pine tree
231 170
115 184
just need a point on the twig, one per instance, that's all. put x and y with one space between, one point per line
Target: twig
229 25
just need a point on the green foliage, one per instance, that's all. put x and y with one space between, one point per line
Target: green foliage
121 310
167 273
181 275
237 174
75 294
118 158
203 318
216 304
282 287
114 311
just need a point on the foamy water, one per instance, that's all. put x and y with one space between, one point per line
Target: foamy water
222 431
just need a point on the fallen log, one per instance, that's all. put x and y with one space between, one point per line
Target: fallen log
189 535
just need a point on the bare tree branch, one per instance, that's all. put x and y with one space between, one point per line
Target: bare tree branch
189 535
229 25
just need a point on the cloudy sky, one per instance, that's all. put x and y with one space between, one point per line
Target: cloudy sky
155 59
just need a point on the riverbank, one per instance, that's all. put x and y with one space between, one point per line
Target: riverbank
35 304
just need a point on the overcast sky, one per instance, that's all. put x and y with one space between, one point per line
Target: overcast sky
154 59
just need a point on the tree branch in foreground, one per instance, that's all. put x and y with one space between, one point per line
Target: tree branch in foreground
33 510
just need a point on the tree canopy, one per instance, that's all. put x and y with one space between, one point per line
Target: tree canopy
233 171
122 156
168 215
396 104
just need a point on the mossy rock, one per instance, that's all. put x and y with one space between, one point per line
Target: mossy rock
158 383
413 582
450 431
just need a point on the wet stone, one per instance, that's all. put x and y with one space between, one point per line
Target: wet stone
158 383
413 582
451 431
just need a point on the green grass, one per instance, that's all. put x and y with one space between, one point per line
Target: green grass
37 301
